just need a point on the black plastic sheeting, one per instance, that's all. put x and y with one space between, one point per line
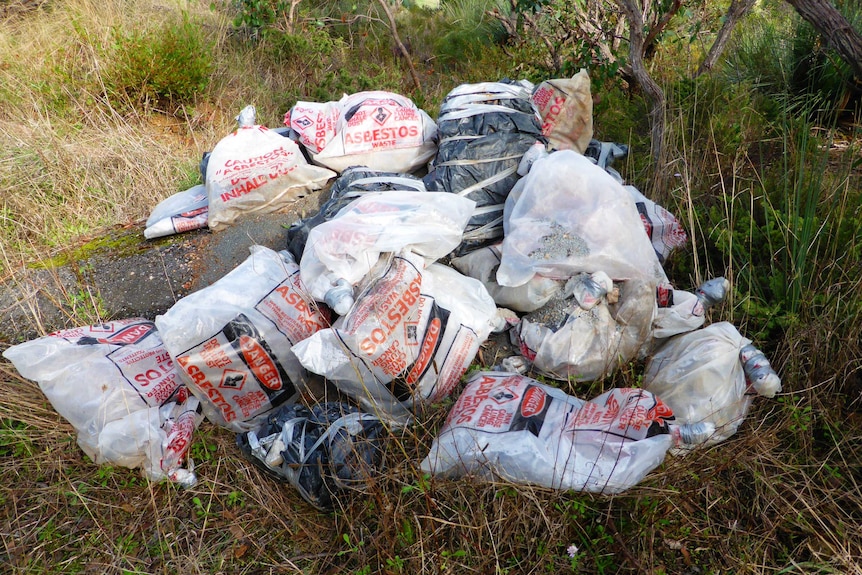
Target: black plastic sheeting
327 448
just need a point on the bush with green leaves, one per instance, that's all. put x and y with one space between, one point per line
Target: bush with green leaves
166 65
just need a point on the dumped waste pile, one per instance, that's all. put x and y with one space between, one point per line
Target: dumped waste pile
502 216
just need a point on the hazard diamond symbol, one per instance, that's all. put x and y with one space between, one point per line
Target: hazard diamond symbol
504 395
303 122
232 379
381 115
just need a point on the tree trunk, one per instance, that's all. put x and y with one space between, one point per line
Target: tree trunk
737 9
653 92
835 28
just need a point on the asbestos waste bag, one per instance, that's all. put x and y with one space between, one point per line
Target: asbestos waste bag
255 170
408 339
232 340
513 427
710 375
568 216
379 130
482 264
590 329
485 130
566 108
118 387
353 182
340 252
182 212
320 451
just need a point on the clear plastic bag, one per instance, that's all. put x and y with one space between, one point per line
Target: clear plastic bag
569 216
482 264
182 212
700 375
118 387
380 130
510 426
343 250
408 339
586 336
232 340
256 170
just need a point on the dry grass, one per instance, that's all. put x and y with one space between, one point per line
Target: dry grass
781 497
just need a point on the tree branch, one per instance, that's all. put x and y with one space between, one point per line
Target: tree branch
839 34
400 44
653 92
737 9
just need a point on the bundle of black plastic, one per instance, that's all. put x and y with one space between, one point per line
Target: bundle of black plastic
351 184
484 131
320 450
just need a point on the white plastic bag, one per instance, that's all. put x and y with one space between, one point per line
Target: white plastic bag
664 230
118 387
482 265
344 249
700 376
569 216
255 170
182 212
380 130
511 426
585 340
232 340
566 107
408 339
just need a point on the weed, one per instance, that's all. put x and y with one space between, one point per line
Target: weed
168 65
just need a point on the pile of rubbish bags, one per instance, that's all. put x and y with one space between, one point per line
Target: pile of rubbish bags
503 216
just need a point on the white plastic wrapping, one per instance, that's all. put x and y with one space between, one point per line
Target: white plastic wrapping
182 212
118 387
256 170
380 130
482 265
663 229
408 339
232 340
510 426
700 376
344 249
569 216
587 340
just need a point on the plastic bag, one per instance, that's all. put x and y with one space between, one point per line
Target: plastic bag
569 216
255 170
482 264
320 451
701 377
340 252
680 311
232 340
380 130
408 339
118 387
586 336
182 212
566 107
353 182
510 426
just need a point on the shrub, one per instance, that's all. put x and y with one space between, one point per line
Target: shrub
167 65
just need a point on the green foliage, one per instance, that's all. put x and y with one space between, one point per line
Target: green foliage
784 58
166 65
